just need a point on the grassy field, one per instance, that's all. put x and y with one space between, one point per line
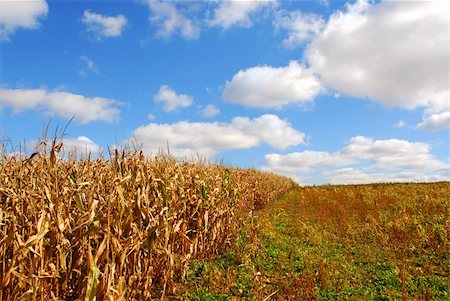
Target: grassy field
365 242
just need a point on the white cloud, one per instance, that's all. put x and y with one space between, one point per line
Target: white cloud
104 26
170 20
395 52
15 14
435 122
210 111
400 124
88 66
237 12
300 27
65 104
20 99
187 139
356 176
81 146
392 154
270 128
85 109
266 87
171 99
305 162
364 160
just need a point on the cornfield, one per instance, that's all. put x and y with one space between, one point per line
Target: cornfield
127 227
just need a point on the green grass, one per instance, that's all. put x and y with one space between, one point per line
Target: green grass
368 242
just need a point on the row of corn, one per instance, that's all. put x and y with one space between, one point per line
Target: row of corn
123 228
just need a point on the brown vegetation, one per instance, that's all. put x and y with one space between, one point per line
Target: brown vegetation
124 228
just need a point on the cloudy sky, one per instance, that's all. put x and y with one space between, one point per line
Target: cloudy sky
321 91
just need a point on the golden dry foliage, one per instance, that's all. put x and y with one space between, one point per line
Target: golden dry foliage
348 242
124 228
405 218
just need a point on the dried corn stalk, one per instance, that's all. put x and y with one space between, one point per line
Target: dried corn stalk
124 228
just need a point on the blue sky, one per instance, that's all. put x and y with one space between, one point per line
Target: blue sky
321 91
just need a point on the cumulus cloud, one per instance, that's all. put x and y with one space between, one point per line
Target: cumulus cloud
104 26
300 27
187 139
65 104
305 162
435 122
270 128
81 145
85 109
392 154
364 160
210 111
171 99
266 87
19 99
356 176
170 20
371 50
17 14
237 12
